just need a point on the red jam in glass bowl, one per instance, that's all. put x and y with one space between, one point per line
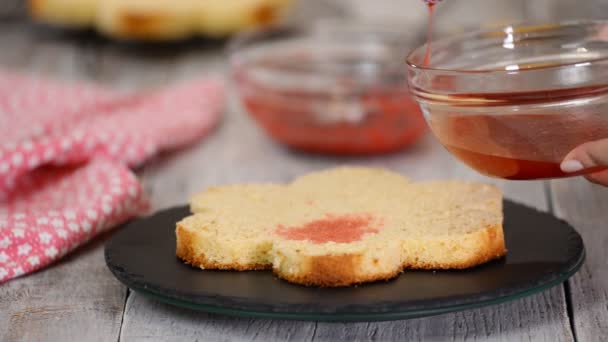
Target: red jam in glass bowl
336 91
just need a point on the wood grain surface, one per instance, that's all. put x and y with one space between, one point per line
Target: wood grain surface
78 300
585 206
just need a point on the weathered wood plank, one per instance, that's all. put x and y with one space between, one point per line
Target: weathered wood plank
157 321
585 206
76 299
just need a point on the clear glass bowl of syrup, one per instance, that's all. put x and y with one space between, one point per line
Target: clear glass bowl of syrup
334 88
512 102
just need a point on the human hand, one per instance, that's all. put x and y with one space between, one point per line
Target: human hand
591 155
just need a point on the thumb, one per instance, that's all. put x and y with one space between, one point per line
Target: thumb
588 155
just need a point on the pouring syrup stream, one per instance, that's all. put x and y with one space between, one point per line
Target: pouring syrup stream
429 35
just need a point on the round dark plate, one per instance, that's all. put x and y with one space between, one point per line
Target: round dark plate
543 251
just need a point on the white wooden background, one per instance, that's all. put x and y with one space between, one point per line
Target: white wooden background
78 299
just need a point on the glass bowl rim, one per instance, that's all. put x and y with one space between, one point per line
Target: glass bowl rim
362 38
383 33
476 33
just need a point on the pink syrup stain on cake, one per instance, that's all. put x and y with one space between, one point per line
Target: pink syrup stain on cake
331 228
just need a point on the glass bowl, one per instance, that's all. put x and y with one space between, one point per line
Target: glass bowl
334 88
512 102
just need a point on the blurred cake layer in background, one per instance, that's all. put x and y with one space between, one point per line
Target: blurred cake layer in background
160 19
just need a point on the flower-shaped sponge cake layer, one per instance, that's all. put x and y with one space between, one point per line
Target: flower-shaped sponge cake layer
343 226
160 19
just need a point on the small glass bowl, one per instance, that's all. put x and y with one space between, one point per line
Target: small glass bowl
511 103
334 88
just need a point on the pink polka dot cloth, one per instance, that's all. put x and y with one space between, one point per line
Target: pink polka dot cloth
65 153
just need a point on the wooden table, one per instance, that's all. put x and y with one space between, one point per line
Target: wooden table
78 299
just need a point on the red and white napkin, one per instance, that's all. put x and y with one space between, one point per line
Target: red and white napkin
65 153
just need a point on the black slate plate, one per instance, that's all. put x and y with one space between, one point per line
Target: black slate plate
543 251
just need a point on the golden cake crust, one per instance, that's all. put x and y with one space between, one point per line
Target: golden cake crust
434 225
